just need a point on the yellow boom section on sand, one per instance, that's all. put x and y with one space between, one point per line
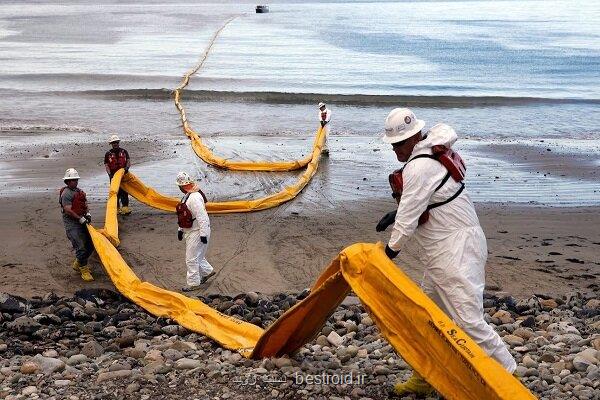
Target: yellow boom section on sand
419 331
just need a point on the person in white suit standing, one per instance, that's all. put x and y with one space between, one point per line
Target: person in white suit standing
194 226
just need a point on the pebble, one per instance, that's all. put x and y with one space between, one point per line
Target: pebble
119 366
504 317
50 353
133 387
186 363
92 349
513 340
334 339
322 341
77 359
48 365
29 367
529 362
106 376
172 354
29 390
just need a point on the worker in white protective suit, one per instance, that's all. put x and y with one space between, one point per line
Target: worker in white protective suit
194 226
324 118
454 249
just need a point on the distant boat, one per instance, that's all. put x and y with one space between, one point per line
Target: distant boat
262 9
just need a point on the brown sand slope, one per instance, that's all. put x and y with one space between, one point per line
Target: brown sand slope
532 249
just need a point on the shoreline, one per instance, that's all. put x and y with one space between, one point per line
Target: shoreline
275 250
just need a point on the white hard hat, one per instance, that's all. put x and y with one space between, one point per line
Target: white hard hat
321 104
113 138
71 173
401 124
183 178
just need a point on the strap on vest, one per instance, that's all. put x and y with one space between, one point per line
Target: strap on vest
442 183
421 156
441 203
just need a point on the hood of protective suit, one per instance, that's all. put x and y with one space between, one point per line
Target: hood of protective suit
440 134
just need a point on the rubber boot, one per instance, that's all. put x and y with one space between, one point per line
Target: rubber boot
86 273
414 385
76 265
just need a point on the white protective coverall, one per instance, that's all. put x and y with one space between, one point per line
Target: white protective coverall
453 243
195 250
327 116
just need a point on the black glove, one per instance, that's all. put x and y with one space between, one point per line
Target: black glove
180 235
323 123
126 169
204 239
391 253
386 221
88 217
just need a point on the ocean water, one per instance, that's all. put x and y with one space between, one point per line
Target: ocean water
542 49
495 70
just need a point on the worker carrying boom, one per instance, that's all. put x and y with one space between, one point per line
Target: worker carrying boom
324 118
76 216
435 209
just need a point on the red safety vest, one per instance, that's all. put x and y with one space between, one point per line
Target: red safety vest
116 161
450 160
184 215
79 204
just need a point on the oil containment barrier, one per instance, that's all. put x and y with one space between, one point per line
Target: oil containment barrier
135 187
417 329
204 152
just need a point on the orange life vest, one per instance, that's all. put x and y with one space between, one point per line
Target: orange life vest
79 204
450 160
116 161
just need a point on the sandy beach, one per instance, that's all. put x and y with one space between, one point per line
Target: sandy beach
532 249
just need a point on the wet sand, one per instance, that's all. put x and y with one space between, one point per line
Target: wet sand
532 249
